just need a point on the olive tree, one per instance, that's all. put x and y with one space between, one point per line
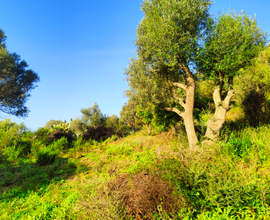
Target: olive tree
93 117
167 41
233 41
128 113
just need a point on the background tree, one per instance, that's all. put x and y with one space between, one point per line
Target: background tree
112 121
93 117
252 89
78 126
233 41
150 97
167 40
128 113
146 116
51 123
16 81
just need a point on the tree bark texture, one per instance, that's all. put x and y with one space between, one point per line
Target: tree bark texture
187 115
149 129
215 124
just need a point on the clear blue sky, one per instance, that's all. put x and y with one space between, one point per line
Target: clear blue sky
79 49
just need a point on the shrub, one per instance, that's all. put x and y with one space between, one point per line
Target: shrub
99 133
7 140
59 144
113 138
256 108
239 146
42 134
2 158
56 135
12 152
25 145
46 157
143 194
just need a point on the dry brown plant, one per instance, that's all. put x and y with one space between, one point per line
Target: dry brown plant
142 194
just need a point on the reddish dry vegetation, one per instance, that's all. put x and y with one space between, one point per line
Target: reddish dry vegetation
59 134
143 194
98 133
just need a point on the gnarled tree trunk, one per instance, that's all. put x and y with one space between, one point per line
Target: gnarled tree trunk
215 124
187 115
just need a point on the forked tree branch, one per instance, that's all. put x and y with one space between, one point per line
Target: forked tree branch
176 111
227 100
180 85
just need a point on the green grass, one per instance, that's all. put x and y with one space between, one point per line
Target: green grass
230 180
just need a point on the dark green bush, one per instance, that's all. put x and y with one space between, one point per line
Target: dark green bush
58 134
24 145
46 157
256 108
59 144
98 134
42 134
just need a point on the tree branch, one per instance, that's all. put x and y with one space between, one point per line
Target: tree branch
227 100
180 100
180 85
187 71
216 96
176 111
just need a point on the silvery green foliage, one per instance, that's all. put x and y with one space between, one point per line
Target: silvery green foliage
93 117
234 40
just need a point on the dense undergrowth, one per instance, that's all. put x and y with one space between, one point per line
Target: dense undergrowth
136 177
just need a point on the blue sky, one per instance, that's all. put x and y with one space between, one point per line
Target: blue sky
79 49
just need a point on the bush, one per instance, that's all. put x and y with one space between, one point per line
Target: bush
256 108
239 146
25 145
42 134
56 135
59 144
46 157
12 153
143 194
99 133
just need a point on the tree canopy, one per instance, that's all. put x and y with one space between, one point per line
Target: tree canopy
167 41
179 40
16 81
93 117
232 42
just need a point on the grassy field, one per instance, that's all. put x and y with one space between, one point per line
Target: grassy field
137 177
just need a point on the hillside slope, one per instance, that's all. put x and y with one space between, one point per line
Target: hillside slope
142 177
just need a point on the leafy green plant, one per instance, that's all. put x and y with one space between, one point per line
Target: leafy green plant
46 157
42 134
25 145
59 145
239 146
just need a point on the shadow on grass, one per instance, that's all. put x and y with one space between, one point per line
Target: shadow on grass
18 180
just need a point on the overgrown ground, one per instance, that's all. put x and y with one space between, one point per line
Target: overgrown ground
139 177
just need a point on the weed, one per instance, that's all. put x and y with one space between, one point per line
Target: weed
239 146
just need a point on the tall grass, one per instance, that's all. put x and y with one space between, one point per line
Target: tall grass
62 180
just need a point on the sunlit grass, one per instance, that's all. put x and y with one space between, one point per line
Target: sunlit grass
229 180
